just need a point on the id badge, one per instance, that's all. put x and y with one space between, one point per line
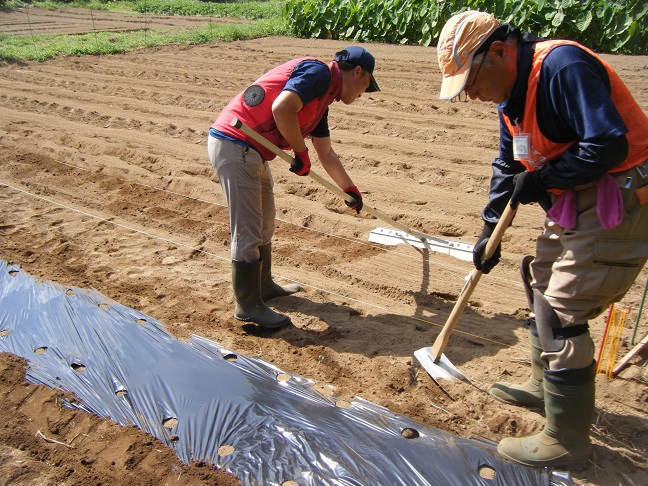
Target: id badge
521 144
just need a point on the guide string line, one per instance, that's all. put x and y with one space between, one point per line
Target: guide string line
154 236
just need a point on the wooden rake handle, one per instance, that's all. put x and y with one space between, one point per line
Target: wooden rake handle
442 339
236 123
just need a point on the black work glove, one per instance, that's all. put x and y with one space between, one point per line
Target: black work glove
302 165
355 194
485 265
528 188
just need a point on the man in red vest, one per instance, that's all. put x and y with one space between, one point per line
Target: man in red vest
572 139
285 105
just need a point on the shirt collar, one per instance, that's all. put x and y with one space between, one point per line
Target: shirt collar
513 107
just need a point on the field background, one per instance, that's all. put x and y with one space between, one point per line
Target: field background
105 183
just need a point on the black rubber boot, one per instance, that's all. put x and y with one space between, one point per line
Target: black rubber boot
569 407
529 394
269 288
246 280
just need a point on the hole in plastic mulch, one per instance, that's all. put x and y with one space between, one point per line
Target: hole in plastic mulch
40 350
225 450
78 367
409 433
487 472
283 377
170 422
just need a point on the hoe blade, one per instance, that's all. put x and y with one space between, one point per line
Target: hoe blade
391 237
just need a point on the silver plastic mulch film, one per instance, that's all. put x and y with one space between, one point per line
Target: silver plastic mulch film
208 403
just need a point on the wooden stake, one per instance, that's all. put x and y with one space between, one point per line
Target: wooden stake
626 359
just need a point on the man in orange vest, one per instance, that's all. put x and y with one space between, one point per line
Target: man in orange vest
572 139
285 105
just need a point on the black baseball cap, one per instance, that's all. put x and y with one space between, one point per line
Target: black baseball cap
360 57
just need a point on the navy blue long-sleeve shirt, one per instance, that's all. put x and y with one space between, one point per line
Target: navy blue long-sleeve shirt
573 105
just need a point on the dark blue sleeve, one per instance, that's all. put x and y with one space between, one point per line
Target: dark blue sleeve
322 128
574 105
501 185
309 79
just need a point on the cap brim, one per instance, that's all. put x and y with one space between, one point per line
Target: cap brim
451 86
373 86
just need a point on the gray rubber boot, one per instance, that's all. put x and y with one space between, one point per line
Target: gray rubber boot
246 280
529 394
569 407
269 288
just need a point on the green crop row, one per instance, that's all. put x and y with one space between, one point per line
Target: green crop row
265 20
244 9
617 26
221 8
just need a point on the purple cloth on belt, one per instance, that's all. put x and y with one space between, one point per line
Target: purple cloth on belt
609 205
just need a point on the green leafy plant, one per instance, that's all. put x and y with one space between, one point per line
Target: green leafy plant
618 26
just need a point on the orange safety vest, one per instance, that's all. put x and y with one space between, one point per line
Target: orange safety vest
542 150
260 118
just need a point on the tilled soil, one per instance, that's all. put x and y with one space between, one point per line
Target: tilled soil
105 183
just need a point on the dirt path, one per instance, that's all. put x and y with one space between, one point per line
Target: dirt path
105 183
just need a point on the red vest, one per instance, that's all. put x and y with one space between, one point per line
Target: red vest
543 150
260 117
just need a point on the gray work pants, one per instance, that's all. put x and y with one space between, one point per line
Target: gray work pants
247 184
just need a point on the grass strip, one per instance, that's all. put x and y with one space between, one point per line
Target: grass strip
43 47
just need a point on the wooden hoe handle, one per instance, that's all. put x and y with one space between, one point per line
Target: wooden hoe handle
442 339
236 123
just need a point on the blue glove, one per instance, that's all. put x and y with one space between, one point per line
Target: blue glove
485 265
528 188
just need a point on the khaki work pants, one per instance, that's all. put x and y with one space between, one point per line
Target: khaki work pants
581 272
